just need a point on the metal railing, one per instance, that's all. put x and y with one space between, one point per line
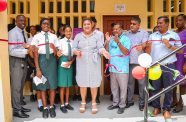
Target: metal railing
147 99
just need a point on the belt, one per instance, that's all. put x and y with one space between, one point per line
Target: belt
17 58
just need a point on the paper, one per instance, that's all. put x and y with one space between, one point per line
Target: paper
38 81
63 65
184 99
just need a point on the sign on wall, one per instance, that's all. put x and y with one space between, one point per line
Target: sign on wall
120 8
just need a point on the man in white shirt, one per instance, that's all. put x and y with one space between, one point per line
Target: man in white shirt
18 49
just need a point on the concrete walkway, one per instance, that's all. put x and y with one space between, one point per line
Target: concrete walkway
131 114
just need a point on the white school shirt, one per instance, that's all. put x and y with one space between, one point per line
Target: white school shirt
40 39
63 46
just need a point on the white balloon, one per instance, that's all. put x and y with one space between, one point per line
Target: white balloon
144 60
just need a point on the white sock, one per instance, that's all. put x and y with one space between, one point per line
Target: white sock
66 103
51 106
45 108
62 105
39 103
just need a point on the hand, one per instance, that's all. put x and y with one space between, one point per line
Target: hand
184 68
116 39
25 45
67 64
59 53
52 46
39 73
106 54
139 48
166 43
78 53
107 36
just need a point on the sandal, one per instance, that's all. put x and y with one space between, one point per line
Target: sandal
82 108
94 110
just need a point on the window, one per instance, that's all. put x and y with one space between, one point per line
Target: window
42 7
67 6
165 6
149 5
59 7
172 6
76 22
172 22
92 5
75 6
21 7
67 20
28 21
13 8
28 8
59 21
181 6
149 22
83 9
51 22
51 7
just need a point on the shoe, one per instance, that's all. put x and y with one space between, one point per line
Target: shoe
32 98
82 108
111 107
120 110
69 107
98 101
45 113
25 109
141 107
175 110
20 114
23 102
166 114
94 108
156 111
40 108
63 109
128 105
52 112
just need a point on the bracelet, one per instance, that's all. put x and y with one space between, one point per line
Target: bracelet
37 69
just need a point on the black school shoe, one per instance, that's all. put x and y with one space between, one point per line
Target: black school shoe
63 109
52 112
120 110
45 113
69 107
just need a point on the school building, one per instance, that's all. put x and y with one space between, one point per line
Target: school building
72 12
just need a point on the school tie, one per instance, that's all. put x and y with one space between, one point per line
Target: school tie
47 46
24 36
69 50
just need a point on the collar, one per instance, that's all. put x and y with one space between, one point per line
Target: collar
42 32
66 39
19 29
139 30
168 32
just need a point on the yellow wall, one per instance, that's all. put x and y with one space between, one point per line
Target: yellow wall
4 70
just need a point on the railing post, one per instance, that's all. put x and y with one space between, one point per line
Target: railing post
146 97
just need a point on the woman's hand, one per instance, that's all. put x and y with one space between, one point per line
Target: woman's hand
59 53
107 37
78 53
67 64
39 73
106 54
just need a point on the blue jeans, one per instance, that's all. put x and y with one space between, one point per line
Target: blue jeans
164 81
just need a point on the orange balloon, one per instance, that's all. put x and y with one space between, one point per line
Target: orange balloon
138 72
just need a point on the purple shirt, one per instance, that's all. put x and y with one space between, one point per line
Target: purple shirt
180 57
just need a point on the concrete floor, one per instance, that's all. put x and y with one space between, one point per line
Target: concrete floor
131 114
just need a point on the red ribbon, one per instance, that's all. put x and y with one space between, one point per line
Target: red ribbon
3 40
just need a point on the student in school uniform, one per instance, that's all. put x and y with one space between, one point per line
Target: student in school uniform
65 68
45 62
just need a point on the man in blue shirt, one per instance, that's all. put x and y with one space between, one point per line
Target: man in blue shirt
159 49
118 46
